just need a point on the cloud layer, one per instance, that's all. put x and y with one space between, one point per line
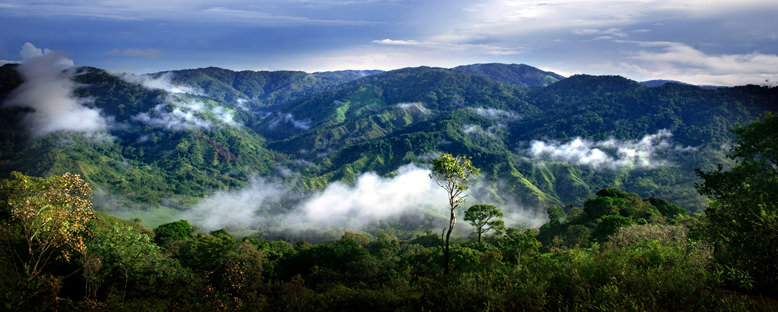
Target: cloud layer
48 91
609 154
410 194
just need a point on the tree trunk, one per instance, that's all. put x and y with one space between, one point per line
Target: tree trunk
451 222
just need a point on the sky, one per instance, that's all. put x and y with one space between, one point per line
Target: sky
705 42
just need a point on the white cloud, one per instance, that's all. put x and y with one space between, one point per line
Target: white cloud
48 90
372 198
415 106
175 119
678 61
494 113
408 194
609 154
475 130
201 10
236 209
451 46
184 114
609 33
160 82
179 112
288 118
388 41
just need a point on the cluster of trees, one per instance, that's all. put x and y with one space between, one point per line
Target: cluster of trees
617 252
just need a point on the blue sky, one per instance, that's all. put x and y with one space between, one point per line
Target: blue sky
702 42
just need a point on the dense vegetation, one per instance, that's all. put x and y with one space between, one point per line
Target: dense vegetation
622 234
618 252
335 126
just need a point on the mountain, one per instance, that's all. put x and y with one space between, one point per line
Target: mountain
380 122
515 74
548 144
261 87
661 82
158 146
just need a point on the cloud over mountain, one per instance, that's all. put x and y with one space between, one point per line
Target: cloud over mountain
609 154
48 91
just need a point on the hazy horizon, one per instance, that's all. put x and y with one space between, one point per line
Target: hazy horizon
699 42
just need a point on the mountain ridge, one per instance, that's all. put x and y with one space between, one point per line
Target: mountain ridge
537 146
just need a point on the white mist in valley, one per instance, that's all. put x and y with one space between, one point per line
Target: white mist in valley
406 196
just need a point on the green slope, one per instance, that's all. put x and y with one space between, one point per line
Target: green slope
521 75
345 123
136 160
261 88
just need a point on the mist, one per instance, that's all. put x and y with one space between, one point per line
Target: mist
471 129
409 196
413 106
610 154
160 82
48 91
182 112
495 114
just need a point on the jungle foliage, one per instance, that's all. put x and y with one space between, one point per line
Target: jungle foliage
659 263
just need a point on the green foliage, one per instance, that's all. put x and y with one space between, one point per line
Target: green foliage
121 258
515 74
173 231
485 218
44 220
610 224
348 124
743 218
261 88
454 175
602 216
556 214
518 244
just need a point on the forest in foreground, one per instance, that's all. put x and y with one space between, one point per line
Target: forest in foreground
615 252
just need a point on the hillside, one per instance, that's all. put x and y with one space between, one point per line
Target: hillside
520 75
552 144
262 88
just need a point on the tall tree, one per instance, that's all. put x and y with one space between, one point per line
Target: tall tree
454 175
743 219
485 218
44 220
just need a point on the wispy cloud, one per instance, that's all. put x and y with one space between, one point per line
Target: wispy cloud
609 154
388 41
414 106
181 112
175 118
287 118
451 46
160 82
235 12
601 33
673 59
409 194
48 90
495 113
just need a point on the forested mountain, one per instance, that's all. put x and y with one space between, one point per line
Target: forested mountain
261 87
157 146
555 143
521 75
586 195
